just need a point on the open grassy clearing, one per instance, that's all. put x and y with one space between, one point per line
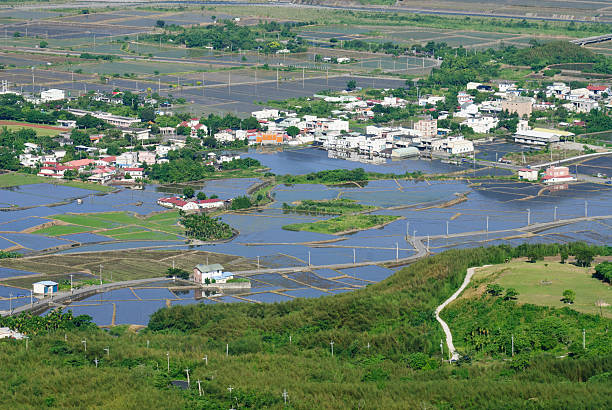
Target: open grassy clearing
343 224
39 131
85 220
15 179
57 230
118 225
542 283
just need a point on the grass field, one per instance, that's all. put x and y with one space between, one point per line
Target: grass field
15 179
343 223
39 131
63 230
118 225
542 283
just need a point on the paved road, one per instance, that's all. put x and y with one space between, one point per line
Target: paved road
60 298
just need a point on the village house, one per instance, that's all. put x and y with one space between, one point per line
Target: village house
212 273
528 174
194 125
556 175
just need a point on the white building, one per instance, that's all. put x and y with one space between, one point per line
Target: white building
52 95
265 114
481 125
528 174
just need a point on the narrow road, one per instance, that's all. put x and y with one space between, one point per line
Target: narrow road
454 356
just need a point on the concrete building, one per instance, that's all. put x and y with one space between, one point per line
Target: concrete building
528 174
481 125
556 175
213 273
147 157
519 105
265 114
52 95
426 127
45 287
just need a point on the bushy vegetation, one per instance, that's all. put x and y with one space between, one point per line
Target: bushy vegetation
241 202
343 223
9 254
57 319
329 176
332 206
386 351
603 271
205 228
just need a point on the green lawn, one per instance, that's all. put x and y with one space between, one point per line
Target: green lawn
119 225
343 223
16 178
86 220
62 230
539 284
39 131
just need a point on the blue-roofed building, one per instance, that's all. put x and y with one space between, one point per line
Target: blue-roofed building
45 287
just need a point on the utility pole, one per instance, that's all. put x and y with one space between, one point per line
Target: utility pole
308 258
555 214
332 347
512 345
84 341
447 229
487 230
528 216
257 262
285 396
199 388
442 348
100 274
188 381
205 358
96 362
354 256
396 251
168 357
586 212
226 349
230 388
427 243
107 350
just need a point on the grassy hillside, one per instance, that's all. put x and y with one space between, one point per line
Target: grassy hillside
386 353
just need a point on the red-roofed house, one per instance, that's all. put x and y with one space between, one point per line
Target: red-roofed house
555 175
178 203
106 161
195 126
134 172
210 203
80 163
598 90
55 171
528 174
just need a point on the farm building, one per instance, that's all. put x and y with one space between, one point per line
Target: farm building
213 272
45 287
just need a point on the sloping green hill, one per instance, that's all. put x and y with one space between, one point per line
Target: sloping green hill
386 353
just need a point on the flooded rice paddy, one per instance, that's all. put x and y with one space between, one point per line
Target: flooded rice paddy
491 213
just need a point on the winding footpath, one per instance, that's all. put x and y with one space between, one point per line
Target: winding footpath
454 356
